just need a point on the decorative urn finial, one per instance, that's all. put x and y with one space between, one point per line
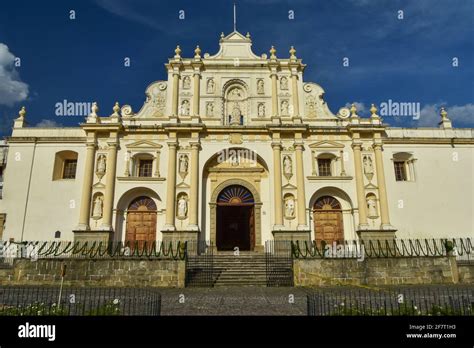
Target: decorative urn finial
197 52
353 110
177 52
292 53
22 113
272 53
373 110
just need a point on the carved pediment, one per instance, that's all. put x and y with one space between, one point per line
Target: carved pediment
143 144
327 144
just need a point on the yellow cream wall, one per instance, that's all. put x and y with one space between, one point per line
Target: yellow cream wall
52 205
440 202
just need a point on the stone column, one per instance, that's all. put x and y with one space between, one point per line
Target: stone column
343 170
175 95
300 189
277 185
109 186
194 190
274 95
171 187
196 95
85 209
361 202
384 216
296 104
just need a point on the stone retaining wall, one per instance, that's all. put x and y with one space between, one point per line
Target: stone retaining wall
120 273
377 271
466 273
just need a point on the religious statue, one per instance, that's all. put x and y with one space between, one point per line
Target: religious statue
284 107
283 83
210 86
235 116
101 164
97 211
185 108
183 164
186 82
182 207
290 207
210 109
260 87
372 207
287 166
368 167
261 110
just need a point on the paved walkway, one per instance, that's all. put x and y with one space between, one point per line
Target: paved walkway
234 301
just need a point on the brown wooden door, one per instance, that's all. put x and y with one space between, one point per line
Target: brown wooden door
328 223
141 221
252 228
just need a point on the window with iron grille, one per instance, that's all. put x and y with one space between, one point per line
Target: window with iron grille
145 168
69 171
324 167
400 171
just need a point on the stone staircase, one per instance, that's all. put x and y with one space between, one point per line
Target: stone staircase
227 269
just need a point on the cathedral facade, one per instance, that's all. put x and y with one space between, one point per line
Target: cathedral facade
236 149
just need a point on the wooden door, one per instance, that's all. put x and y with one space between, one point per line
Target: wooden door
328 223
141 222
252 228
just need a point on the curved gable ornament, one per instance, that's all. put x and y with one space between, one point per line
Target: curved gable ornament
155 103
315 105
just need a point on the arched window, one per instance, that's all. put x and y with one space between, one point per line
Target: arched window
404 166
65 165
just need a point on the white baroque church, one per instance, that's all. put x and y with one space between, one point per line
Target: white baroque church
236 149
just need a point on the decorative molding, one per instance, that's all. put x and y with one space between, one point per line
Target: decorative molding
326 144
330 178
139 178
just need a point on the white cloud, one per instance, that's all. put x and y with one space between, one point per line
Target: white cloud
48 124
459 114
12 89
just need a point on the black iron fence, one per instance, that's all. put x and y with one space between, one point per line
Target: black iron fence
39 301
279 263
93 250
462 248
200 271
392 302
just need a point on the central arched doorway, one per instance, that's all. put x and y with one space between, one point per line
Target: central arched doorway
328 222
235 219
141 221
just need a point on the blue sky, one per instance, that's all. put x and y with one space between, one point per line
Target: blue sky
82 60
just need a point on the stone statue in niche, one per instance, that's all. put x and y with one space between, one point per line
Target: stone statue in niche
260 87
210 109
368 167
98 205
183 164
284 107
101 164
235 116
283 83
182 207
290 207
287 166
186 82
185 108
372 207
210 86
261 110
